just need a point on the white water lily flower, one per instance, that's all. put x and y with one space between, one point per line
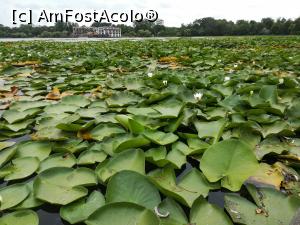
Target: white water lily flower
226 78
198 96
70 58
150 74
12 54
281 81
219 60
29 54
251 92
165 82
235 66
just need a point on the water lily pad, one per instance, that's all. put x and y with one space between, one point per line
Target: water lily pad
192 185
76 100
31 201
80 210
203 213
12 195
265 211
91 157
122 213
22 217
38 149
122 99
13 116
231 161
160 137
7 154
6 144
127 160
172 213
57 160
62 185
130 186
211 129
105 130
20 168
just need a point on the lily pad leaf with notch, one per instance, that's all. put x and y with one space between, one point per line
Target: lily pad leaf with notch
232 161
192 185
62 185
132 159
204 213
210 129
80 210
130 186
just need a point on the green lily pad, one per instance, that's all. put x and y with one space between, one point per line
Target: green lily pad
12 195
76 100
38 149
231 161
62 185
31 201
122 213
176 215
266 210
91 157
130 186
6 144
159 137
203 213
211 129
20 168
80 210
105 130
22 217
122 99
13 116
7 154
131 159
60 108
57 160
192 185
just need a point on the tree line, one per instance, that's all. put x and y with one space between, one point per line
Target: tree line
201 27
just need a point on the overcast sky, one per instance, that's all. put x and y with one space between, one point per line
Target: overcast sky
173 12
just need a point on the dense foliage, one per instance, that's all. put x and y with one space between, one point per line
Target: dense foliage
200 27
147 132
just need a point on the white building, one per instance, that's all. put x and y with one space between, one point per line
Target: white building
109 32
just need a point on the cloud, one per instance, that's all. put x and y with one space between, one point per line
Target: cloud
173 12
